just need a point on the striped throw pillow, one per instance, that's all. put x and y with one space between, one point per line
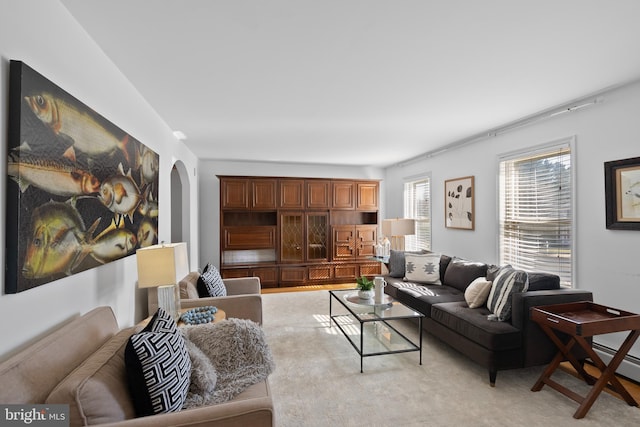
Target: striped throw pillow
508 281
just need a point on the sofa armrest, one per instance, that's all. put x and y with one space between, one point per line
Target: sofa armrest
242 285
538 348
252 411
238 306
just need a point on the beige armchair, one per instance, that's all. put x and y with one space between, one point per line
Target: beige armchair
243 298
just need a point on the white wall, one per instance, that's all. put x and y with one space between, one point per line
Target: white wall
45 36
606 260
210 191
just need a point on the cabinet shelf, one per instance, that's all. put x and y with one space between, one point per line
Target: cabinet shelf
242 218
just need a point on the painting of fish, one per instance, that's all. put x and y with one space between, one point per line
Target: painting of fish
58 241
70 204
55 176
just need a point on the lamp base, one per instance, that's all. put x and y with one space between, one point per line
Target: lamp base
397 243
169 300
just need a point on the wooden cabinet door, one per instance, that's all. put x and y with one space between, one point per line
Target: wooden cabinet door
291 236
292 276
370 269
346 271
320 272
291 194
367 196
234 193
365 242
343 195
318 194
317 236
249 237
234 273
343 242
263 194
268 275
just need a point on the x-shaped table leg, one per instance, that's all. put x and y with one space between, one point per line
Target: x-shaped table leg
607 377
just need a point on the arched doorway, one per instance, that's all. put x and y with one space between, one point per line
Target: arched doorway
180 202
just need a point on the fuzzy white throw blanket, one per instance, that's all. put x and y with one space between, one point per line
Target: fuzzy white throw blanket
226 358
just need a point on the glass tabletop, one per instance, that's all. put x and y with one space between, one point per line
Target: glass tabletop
366 311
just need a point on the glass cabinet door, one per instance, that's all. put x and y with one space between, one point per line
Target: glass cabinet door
317 236
291 237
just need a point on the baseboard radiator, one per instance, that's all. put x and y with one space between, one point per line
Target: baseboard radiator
630 366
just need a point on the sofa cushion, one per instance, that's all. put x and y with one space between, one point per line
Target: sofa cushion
158 367
460 273
210 283
543 281
477 292
189 286
509 281
473 324
96 391
422 297
423 268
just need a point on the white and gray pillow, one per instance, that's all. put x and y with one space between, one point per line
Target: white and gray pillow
423 268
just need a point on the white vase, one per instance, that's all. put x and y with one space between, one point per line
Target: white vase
366 294
380 283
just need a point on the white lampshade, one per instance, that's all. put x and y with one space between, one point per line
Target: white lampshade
398 227
164 264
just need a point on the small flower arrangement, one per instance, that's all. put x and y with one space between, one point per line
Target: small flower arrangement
364 284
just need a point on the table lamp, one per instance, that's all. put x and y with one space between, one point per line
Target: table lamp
396 229
163 266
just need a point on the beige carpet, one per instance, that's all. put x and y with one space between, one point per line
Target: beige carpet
317 381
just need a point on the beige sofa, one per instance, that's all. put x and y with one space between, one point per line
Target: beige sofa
82 364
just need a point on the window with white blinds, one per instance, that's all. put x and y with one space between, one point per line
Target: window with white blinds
417 205
536 211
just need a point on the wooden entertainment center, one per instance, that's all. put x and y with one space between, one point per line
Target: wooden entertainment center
298 231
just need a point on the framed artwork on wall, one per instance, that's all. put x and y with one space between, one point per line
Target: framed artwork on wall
81 192
459 203
622 193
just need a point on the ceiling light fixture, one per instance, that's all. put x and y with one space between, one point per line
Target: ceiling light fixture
179 135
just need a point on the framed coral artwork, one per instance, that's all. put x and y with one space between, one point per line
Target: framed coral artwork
622 193
459 203
81 192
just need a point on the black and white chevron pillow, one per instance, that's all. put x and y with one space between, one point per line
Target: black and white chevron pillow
210 283
158 367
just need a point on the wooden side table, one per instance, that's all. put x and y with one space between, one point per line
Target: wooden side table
582 320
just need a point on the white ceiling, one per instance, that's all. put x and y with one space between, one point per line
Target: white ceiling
364 82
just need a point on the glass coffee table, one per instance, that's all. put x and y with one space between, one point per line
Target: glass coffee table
368 327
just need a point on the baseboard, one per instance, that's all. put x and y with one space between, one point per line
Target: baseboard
630 366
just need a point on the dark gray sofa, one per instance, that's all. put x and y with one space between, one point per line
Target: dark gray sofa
516 343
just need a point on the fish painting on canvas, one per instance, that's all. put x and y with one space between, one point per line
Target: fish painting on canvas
66 187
